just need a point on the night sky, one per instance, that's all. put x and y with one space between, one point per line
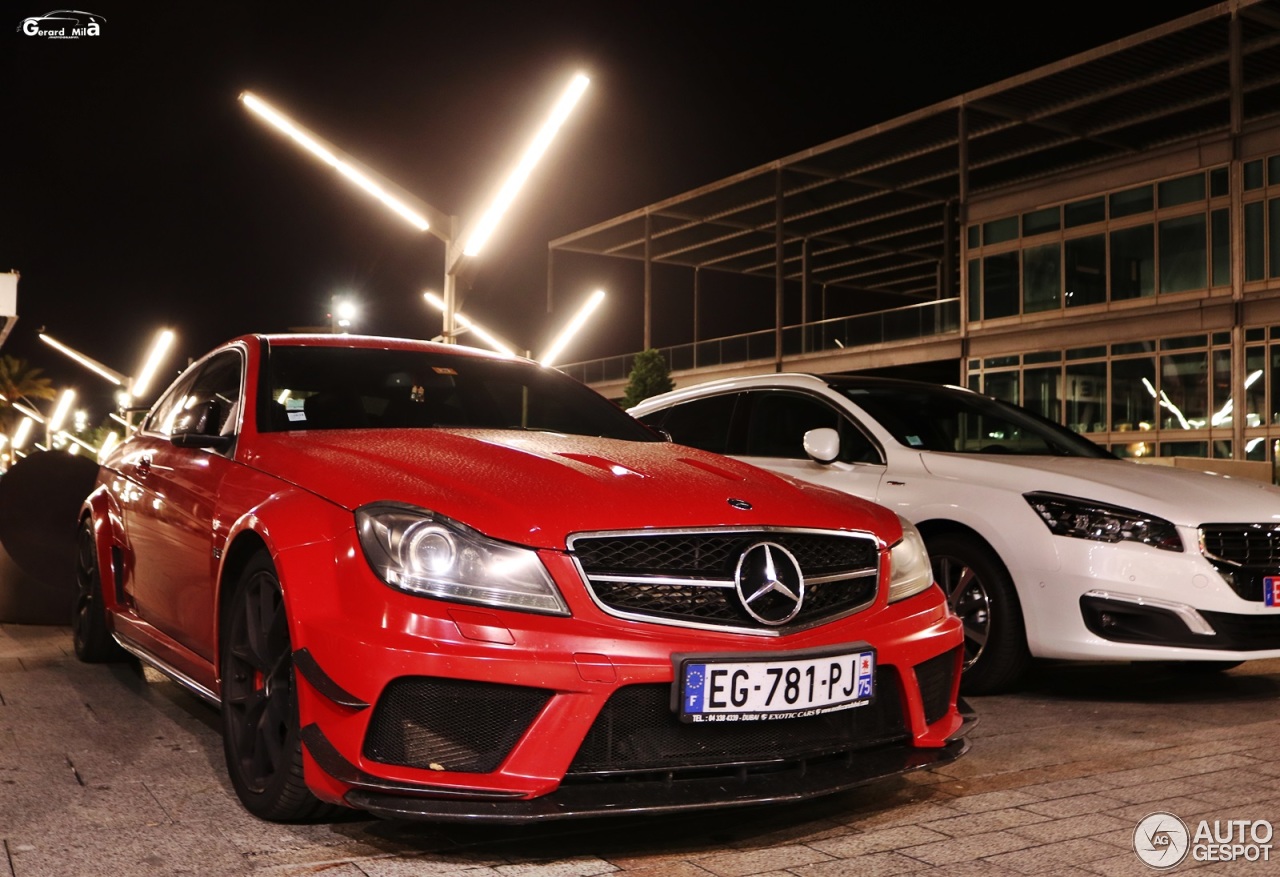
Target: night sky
138 193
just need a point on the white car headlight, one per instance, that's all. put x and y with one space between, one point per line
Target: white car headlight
420 552
909 569
1086 519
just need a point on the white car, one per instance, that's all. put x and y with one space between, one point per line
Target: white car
1047 545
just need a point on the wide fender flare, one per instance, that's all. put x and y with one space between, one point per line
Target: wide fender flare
102 510
296 527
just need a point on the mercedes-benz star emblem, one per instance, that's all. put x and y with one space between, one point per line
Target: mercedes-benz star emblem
769 583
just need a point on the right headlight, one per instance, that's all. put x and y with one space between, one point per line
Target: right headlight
420 552
1085 519
909 569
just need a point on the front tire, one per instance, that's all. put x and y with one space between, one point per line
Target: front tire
90 633
260 734
980 592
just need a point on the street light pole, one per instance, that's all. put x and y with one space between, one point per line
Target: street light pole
418 213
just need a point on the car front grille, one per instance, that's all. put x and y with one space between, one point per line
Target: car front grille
687 578
1243 553
637 732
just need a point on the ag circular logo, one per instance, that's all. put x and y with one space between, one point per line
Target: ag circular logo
769 583
1161 840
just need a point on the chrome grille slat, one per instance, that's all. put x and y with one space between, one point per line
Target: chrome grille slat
1243 553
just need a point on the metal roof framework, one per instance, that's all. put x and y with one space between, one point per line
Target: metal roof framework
880 210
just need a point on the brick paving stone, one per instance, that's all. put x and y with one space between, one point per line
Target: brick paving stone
579 866
1048 859
987 820
1077 806
883 864
963 849
759 861
1088 825
993 801
1085 785
860 844
664 869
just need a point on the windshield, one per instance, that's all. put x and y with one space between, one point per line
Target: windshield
941 418
369 388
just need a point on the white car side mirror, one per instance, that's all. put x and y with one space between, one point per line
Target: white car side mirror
822 444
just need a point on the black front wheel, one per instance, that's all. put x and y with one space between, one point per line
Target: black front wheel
260 733
90 633
980 592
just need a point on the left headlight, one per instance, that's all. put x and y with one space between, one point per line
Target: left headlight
909 569
420 552
1086 519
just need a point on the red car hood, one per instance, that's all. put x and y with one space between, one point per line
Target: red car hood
537 488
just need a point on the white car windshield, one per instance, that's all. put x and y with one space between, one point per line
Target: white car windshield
956 421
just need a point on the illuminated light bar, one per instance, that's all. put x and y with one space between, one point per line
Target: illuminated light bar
530 158
31 413
158 349
63 408
93 365
23 431
470 326
566 334
277 119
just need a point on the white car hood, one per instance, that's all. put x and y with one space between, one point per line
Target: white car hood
1180 496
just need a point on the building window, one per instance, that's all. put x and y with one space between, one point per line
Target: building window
1183 258
1085 396
999 230
1220 223
1086 270
1041 278
1183 190
1133 395
1000 285
1133 262
1254 254
1041 221
1131 202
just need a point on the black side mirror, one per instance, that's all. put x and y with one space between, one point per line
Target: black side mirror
195 428
197 440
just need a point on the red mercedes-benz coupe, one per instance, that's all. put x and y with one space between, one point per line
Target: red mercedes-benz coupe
429 582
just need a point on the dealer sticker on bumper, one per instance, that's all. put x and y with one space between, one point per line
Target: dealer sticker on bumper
759 687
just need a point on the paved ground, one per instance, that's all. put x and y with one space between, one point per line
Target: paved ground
103 772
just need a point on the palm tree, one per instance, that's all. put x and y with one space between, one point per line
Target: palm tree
20 382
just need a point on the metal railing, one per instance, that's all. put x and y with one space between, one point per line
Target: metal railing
911 322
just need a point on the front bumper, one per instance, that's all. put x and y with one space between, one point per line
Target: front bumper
1125 619
416 708
773 785
1132 602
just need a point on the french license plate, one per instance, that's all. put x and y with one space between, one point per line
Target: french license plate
1271 591
761 687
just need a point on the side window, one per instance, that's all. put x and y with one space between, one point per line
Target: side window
206 401
700 423
160 418
780 419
